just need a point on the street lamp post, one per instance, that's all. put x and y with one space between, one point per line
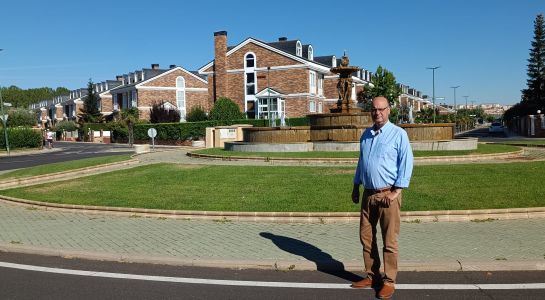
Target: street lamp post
4 120
466 101
455 110
433 83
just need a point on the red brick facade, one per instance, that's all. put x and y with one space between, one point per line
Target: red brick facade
286 75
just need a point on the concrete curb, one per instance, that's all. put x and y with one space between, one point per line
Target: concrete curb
453 158
483 215
271 264
52 177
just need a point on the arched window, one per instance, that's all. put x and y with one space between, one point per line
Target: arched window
299 49
250 84
249 62
180 97
310 52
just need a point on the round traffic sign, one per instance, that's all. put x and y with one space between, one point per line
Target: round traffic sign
152 132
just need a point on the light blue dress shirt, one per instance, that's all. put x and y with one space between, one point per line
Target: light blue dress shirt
386 158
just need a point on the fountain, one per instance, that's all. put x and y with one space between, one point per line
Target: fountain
341 129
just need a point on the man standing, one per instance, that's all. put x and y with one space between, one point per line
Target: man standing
384 168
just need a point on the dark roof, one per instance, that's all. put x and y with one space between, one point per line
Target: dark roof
286 46
202 76
324 60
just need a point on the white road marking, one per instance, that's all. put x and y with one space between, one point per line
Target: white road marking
269 283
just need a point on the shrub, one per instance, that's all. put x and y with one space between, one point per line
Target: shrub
21 117
66 126
196 114
22 138
160 114
225 109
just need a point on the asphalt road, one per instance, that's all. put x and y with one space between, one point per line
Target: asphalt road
69 151
37 284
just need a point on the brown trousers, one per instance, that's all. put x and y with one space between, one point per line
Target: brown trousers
389 219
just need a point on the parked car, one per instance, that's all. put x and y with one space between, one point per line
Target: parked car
495 127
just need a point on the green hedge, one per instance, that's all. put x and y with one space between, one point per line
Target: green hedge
181 131
22 138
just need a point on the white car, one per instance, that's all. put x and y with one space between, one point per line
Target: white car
495 127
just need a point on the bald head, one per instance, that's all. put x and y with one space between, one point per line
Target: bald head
380 101
380 111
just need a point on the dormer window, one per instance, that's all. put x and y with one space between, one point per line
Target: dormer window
299 49
310 53
333 61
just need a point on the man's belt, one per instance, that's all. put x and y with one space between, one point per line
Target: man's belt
372 191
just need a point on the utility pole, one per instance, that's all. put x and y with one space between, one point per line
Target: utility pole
433 84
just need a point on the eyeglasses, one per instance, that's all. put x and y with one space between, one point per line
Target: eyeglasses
379 109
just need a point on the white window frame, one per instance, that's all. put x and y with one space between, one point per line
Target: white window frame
181 104
250 70
312 82
321 85
310 52
320 107
299 49
312 106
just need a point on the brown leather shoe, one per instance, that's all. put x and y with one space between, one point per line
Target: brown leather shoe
364 283
386 292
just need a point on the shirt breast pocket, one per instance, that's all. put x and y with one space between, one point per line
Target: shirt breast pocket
387 151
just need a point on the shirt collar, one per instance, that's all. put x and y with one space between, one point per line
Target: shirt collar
374 132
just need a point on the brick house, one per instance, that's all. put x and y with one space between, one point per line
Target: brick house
176 87
299 83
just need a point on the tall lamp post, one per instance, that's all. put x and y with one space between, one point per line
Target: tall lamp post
455 110
466 101
433 83
4 120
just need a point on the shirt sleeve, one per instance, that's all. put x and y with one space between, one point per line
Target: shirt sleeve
357 176
404 162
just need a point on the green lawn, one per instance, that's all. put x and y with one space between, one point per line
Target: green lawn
63 166
481 149
524 142
279 188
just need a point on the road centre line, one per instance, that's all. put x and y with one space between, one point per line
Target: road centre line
271 284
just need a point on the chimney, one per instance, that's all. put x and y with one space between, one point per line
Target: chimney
282 39
172 66
220 65
155 66
119 77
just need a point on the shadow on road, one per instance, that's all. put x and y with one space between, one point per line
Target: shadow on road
324 261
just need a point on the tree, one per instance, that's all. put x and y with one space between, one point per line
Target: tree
384 84
90 112
130 116
160 114
196 114
535 92
23 98
21 117
225 109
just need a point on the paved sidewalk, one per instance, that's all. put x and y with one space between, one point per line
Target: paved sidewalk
494 245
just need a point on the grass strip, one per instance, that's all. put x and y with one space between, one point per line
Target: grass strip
481 149
63 166
280 188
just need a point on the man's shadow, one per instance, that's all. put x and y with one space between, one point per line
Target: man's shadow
324 261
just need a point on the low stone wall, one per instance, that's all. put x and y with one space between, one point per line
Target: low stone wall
429 132
299 134
456 144
268 147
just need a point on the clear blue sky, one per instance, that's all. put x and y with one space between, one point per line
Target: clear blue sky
481 45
